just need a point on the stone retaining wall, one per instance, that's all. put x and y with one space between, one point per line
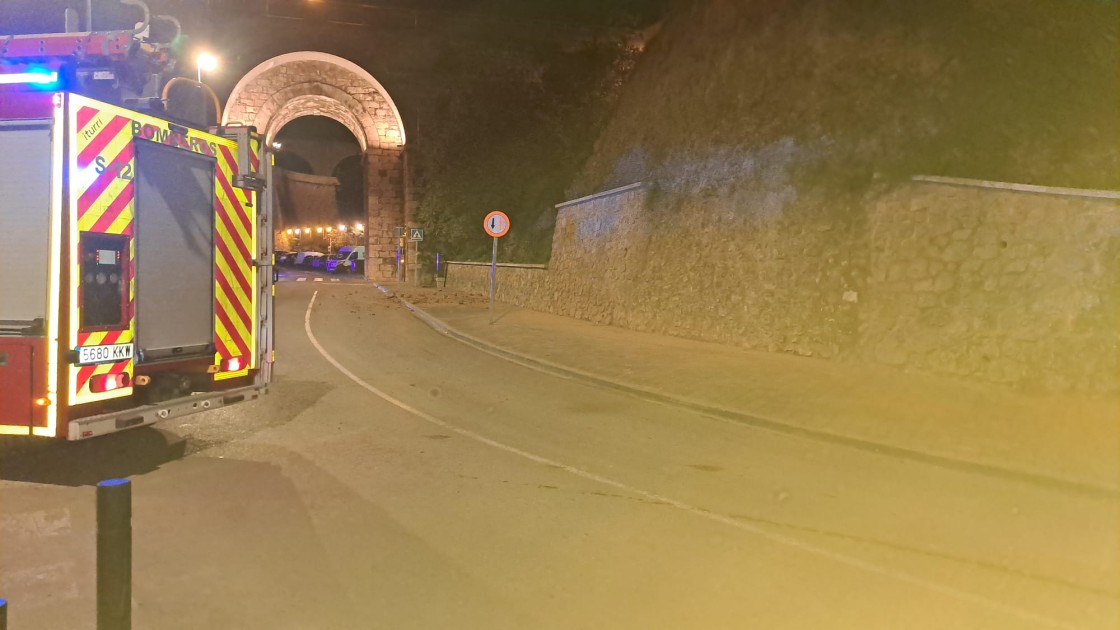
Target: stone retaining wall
303 200
1006 286
1014 287
524 285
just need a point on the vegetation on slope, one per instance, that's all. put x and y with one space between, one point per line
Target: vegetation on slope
836 92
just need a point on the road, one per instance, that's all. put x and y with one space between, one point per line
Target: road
395 478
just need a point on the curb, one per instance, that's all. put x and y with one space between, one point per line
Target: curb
761 422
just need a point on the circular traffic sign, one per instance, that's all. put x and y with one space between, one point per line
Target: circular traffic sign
496 224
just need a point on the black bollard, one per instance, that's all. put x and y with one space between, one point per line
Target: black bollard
3 614
114 555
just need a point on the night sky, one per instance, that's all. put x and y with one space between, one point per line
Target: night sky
35 16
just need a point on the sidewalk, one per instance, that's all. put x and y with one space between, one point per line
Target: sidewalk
1061 441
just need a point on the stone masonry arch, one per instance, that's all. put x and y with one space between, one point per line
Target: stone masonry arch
308 83
311 100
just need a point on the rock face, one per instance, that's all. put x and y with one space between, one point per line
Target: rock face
777 97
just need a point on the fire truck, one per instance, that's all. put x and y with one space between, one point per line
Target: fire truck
135 242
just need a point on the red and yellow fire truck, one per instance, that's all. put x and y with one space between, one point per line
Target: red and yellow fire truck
135 249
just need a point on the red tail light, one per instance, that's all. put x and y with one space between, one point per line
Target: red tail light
233 364
101 383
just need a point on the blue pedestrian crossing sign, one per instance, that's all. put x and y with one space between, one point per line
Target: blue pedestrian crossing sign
415 234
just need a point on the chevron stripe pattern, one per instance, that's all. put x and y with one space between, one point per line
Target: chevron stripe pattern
102 201
235 275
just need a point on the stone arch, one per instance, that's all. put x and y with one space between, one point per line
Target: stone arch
298 101
309 83
319 74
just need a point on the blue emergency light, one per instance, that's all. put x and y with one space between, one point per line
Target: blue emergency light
34 78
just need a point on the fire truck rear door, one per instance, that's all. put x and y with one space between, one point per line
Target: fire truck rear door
174 252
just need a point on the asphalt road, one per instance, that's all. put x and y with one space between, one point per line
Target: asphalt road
395 478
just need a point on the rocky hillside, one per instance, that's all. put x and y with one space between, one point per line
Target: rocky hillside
831 93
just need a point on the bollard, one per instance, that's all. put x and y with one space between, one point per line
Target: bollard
3 614
114 555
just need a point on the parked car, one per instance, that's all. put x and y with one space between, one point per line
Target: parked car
351 259
285 258
314 260
301 258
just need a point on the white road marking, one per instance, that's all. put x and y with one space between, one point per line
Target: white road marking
301 279
318 279
796 543
335 280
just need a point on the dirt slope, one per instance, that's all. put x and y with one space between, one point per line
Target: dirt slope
831 92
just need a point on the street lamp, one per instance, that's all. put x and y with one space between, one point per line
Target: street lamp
207 62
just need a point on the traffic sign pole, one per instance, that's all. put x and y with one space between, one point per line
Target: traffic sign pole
496 225
400 260
493 273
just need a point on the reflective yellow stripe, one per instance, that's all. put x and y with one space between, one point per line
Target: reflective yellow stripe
53 316
122 222
13 430
222 376
234 238
115 187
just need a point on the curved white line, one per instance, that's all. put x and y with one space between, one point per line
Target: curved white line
789 541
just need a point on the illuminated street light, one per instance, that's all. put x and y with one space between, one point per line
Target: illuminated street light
329 229
289 231
359 227
320 230
341 228
298 231
207 62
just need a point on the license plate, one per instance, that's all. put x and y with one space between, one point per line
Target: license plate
89 355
